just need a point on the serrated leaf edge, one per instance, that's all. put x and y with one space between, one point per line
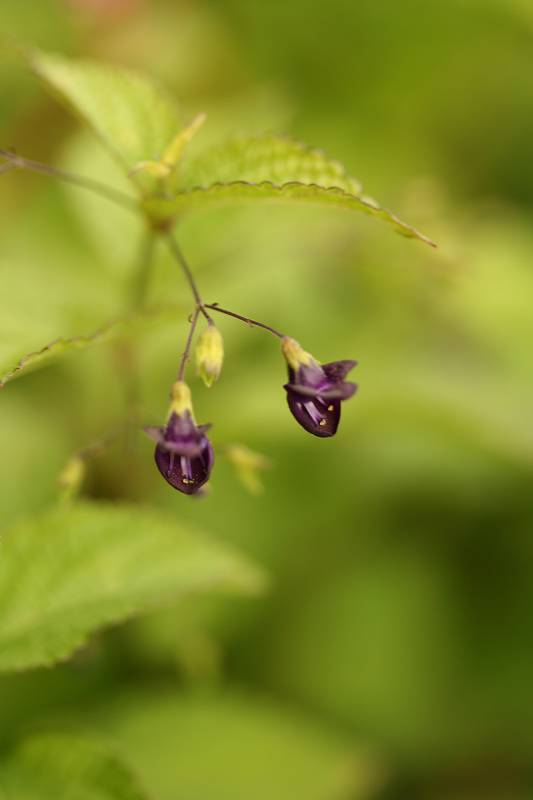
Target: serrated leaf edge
368 202
102 334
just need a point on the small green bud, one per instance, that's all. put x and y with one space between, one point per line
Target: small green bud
71 477
248 465
210 354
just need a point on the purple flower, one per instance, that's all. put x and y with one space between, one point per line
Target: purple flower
184 455
315 391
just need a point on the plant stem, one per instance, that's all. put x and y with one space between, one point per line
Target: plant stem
185 356
126 356
251 322
141 277
6 167
99 446
116 196
180 258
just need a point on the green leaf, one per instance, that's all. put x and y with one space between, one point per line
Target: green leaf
269 168
13 364
233 746
72 570
277 159
56 767
134 118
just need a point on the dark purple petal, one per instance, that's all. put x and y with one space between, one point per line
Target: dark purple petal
182 436
328 391
315 392
190 448
180 426
187 474
299 388
319 417
184 455
155 432
311 375
339 391
338 370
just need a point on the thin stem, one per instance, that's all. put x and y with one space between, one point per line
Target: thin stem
6 167
116 196
141 278
125 354
99 446
251 322
180 258
185 355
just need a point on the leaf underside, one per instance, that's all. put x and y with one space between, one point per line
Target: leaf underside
241 191
74 569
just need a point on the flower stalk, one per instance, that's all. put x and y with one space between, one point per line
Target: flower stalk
114 195
252 323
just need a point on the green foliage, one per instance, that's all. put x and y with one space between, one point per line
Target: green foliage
57 767
13 364
133 117
137 122
255 159
399 620
239 191
232 746
74 569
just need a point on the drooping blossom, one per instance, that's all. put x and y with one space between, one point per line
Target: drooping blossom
315 391
183 454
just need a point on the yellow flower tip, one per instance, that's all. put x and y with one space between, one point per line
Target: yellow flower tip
210 355
180 399
294 354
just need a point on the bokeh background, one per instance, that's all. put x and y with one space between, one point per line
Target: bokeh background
392 657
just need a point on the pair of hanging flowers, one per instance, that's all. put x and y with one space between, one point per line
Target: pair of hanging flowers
184 454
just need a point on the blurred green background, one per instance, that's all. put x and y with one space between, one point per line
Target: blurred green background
393 656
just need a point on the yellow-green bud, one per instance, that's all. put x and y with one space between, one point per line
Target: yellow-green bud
248 465
295 355
180 399
210 354
71 477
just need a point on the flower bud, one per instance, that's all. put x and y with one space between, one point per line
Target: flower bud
315 391
248 465
210 354
183 454
71 477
